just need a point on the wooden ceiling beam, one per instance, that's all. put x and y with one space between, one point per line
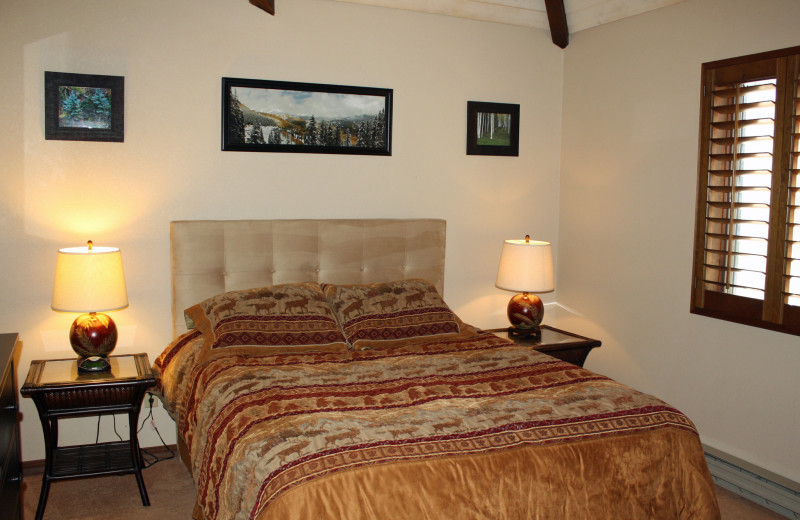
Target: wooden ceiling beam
267 5
557 16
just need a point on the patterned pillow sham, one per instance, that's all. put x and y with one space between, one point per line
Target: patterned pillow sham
385 315
289 318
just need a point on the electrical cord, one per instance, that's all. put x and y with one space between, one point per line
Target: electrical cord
153 459
114 417
149 458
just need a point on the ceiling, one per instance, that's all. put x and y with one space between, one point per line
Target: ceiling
581 14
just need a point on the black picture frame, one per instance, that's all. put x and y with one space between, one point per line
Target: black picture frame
305 117
502 118
84 107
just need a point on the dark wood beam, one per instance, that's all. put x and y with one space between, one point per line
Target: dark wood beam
557 16
267 5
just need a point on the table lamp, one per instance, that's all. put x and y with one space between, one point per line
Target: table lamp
90 280
526 266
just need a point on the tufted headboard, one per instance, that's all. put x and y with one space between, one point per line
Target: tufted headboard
209 257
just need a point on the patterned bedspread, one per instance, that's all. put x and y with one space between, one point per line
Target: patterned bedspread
468 427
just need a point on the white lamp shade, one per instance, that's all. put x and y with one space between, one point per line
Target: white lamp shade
526 267
89 280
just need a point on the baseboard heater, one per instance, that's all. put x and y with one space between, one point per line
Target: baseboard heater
753 483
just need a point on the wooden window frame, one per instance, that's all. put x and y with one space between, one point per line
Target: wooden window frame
773 312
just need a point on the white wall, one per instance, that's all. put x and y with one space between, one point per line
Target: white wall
173 55
628 188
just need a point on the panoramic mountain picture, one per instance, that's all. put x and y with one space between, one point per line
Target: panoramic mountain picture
300 117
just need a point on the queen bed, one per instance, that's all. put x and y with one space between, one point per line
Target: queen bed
316 372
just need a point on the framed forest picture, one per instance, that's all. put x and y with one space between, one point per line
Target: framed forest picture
84 107
492 128
282 116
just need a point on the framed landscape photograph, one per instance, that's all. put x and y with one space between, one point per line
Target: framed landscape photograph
84 107
492 128
282 116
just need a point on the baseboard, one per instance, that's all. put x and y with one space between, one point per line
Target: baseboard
753 483
34 468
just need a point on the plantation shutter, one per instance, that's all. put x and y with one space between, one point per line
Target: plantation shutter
792 280
747 243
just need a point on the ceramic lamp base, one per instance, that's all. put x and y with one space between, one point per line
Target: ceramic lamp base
525 312
93 335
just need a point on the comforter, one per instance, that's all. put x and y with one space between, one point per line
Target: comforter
464 427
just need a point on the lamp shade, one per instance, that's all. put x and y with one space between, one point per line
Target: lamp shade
526 266
89 279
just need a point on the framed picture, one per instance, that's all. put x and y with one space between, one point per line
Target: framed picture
492 128
84 107
282 116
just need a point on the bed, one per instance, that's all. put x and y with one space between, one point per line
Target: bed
316 372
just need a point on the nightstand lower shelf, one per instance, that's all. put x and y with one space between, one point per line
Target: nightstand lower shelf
92 460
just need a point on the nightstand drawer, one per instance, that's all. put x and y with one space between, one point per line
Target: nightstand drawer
575 355
90 400
58 388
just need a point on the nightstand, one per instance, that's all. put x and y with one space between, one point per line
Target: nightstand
560 344
59 391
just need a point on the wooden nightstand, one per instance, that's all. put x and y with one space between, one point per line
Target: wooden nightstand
59 391
560 344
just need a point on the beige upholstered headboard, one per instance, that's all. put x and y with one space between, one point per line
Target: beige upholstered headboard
214 256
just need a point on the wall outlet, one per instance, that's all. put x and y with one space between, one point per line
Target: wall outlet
150 397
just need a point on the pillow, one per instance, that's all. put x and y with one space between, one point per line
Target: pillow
289 318
384 315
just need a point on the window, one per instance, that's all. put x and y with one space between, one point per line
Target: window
747 236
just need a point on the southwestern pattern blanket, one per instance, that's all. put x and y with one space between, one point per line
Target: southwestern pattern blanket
462 427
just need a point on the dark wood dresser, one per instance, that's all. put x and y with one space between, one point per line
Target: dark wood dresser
10 456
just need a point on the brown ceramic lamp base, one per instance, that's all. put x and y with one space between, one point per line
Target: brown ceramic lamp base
525 312
93 337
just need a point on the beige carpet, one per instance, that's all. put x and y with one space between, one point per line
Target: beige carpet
168 483
171 494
